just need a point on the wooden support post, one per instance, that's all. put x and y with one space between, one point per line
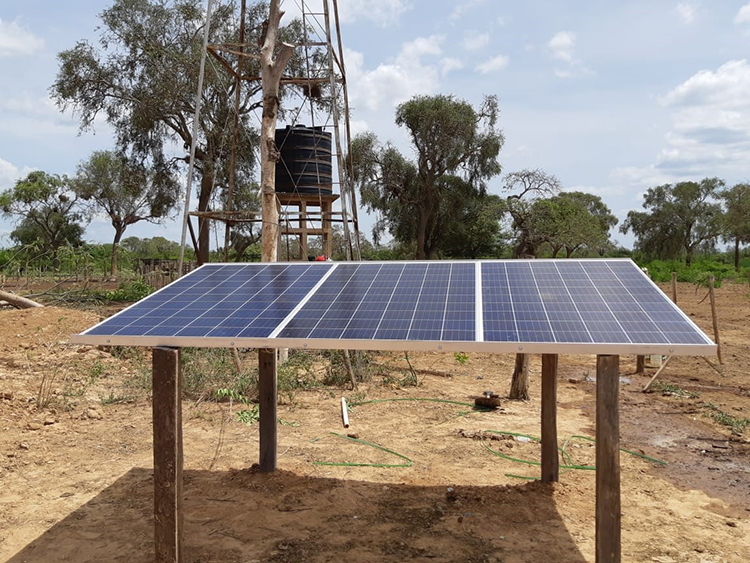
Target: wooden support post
607 460
267 404
713 317
674 288
303 230
550 459
167 421
640 363
326 238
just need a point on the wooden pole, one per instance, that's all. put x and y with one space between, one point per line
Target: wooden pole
674 287
267 392
550 459
167 421
640 363
607 460
713 317
661 369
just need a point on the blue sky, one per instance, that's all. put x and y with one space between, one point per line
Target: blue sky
611 97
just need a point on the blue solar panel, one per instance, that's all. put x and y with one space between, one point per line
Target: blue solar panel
572 301
397 301
247 301
598 306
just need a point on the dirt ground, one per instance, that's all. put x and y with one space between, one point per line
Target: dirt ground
76 465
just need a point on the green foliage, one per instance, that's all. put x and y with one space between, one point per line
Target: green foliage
126 191
697 273
525 188
672 389
736 220
457 147
142 73
736 424
680 219
129 291
206 370
460 357
48 212
572 222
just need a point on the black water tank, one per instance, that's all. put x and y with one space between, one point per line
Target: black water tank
305 163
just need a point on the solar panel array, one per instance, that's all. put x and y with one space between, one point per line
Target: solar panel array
587 306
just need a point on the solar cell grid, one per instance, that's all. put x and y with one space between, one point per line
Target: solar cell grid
544 305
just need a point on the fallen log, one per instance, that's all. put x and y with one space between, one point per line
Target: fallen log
17 301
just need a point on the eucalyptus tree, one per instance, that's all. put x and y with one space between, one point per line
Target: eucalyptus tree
678 219
126 191
524 189
456 148
141 76
572 221
737 218
48 211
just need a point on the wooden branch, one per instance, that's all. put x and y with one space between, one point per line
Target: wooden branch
18 302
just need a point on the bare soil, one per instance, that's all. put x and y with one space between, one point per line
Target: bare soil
76 460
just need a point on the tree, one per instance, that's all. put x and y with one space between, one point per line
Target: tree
679 219
476 232
143 74
571 221
737 218
525 187
48 211
456 150
126 191
156 247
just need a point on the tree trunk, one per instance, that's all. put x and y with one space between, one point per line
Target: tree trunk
17 301
519 386
271 75
737 254
115 245
422 235
204 225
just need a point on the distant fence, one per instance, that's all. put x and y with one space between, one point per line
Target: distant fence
158 272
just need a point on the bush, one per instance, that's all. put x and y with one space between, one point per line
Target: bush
129 291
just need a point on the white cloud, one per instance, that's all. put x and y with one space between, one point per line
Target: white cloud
393 82
562 45
493 65
448 64
357 126
474 41
460 10
9 173
382 12
16 41
686 11
710 131
743 16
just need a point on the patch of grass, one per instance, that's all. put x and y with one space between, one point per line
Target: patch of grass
671 389
205 371
116 399
736 424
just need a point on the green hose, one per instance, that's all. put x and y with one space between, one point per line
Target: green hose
563 450
408 463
